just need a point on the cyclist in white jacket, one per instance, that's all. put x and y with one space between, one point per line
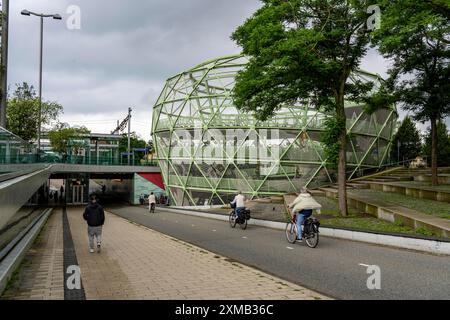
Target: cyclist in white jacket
303 205
151 202
239 200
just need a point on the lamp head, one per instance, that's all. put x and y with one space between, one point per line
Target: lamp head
57 17
25 13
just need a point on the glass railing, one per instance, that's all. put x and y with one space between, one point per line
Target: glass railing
33 158
14 150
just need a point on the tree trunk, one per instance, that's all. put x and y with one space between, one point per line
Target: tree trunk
434 167
342 161
342 178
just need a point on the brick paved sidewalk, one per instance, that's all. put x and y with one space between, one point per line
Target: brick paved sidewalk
40 276
139 263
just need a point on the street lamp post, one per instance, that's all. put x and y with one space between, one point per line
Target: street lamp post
41 16
129 133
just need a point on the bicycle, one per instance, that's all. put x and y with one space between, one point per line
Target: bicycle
242 221
310 231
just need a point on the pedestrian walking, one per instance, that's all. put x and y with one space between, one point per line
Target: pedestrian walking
95 218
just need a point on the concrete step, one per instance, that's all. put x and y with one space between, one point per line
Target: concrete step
442 178
330 192
383 179
393 213
410 190
358 185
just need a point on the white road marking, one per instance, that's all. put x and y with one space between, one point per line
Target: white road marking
290 248
244 238
214 230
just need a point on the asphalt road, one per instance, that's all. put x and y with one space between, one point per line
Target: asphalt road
337 268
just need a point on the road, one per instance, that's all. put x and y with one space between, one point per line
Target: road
337 268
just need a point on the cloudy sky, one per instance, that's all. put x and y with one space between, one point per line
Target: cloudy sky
123 52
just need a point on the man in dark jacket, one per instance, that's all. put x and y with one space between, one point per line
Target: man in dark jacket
95 218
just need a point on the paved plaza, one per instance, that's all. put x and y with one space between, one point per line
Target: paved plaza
140 263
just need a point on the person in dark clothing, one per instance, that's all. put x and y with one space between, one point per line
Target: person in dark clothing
95 218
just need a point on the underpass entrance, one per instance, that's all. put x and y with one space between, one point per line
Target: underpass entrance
77 195
77 189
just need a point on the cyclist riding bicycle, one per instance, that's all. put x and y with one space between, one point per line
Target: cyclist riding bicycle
303 206
239 202
151 202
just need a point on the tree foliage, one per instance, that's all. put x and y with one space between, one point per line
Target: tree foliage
406 142
415 36
304 51
22 113
443 145
61 134
135 142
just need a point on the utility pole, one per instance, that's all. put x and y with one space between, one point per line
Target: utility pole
129 133
4 63
121 128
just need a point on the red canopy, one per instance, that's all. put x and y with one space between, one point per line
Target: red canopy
155 178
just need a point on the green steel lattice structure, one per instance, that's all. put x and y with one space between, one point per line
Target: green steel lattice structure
199 100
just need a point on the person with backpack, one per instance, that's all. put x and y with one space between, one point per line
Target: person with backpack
303 206
94 215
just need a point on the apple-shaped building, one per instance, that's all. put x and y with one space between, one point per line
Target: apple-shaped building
208 150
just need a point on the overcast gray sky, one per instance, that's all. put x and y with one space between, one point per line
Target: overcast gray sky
123 52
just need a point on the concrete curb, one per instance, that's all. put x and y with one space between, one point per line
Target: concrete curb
422 245
12 261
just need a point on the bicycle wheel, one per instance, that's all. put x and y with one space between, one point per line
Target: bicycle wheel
232 219
312 239
243 225
291 232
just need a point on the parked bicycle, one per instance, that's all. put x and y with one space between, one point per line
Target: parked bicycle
310 231
242 220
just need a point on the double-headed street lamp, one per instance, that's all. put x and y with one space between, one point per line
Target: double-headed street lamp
42 16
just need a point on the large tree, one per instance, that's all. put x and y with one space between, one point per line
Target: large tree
135 143
443 144
62 133
304 51
406 143
22 113
415 36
